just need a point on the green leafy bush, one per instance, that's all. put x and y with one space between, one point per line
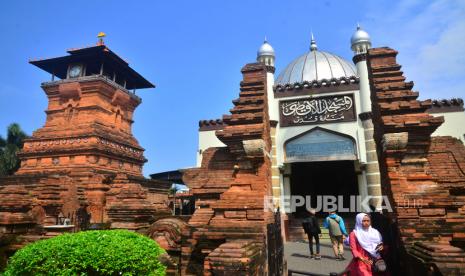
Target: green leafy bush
106 252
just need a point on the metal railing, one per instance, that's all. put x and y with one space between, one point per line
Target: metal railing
293 272
92 78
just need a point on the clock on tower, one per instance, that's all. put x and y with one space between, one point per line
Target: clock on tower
75 70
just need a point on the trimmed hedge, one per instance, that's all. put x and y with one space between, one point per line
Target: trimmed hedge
105 252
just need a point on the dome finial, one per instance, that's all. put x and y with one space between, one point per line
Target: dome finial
358 26
313 46
265 41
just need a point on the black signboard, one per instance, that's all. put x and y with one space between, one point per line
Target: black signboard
329 109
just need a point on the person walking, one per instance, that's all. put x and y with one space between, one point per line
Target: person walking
313 231
367 248
337 233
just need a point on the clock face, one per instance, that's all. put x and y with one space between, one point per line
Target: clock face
75 71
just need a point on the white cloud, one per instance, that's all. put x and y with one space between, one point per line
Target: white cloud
430 38
447 54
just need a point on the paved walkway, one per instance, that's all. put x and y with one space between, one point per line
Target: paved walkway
297 256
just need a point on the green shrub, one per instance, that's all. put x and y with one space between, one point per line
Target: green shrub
106 252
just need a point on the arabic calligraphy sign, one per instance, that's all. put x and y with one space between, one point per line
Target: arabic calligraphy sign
327 109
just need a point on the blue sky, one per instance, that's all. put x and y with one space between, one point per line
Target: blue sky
194 50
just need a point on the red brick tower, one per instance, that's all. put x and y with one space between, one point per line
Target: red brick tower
84 163
89 115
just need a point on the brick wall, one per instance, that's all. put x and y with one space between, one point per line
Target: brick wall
83 160
422 176
228 227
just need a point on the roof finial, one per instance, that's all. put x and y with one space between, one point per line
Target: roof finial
100 36
313 46
265 41
358 26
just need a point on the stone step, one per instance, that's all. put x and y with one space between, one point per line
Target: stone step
297 233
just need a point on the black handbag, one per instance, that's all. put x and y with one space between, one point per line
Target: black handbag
307 227
379 265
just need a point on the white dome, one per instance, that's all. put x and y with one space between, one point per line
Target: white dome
315 66
360 36
265 50
360 41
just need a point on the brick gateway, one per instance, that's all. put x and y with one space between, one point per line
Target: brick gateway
95 163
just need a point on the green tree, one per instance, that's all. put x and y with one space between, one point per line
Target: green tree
9 147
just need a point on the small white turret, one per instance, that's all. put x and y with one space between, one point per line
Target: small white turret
265 54
360 41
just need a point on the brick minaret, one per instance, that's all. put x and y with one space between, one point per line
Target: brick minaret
89 115
84 163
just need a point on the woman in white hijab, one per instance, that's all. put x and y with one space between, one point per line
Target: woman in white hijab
366 245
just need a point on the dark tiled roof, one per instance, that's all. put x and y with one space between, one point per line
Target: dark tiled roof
446 105
317 83
58 66
205 125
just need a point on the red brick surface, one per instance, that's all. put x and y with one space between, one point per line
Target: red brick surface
227 228
424 178
84 158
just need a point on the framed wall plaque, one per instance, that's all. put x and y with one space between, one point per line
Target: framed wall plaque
318 110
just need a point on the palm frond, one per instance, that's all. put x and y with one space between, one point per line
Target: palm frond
2 142
15 135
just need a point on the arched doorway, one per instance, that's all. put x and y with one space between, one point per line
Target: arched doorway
321 167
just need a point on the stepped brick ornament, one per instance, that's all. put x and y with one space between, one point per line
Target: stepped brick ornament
422 175
84 163
226 231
